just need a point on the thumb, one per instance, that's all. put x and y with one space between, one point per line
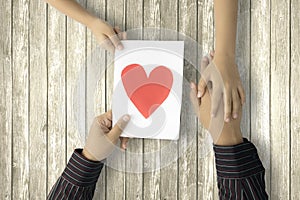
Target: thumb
117 130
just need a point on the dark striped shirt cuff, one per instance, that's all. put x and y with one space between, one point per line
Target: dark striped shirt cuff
237 161
80 171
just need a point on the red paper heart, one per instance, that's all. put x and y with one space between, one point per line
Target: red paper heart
147 94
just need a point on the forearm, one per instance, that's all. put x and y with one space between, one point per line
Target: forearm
74 10
78 179
226 23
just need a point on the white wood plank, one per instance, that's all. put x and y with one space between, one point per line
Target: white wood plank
268 115
151 179
76 63
38 101
294 101
243 60
279 121
206 165
6 100
187 168
56 95
168 173
95 84
260 79
20 102
134 181
115 177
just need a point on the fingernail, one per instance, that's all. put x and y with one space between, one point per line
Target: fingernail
192 86
227 119
235 116
120 47
126 118
199 94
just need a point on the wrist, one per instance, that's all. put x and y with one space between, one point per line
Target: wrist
93 22
225 55
224 61
230 137
87 155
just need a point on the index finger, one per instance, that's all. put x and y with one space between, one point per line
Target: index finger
115 40
108 115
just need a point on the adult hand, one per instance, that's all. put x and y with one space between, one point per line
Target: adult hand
222 133
108 37
102 137
223 74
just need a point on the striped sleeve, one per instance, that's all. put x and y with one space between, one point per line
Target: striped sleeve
237 161
78 180
240 172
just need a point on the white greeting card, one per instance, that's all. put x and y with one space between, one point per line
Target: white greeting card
148 86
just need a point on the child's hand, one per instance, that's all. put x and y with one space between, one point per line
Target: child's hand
226 82
108 37
222 133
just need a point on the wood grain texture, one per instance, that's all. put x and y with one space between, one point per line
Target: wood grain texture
47 61
294 102
243 60
38 100
260 82
134 181
279 120
95 84
169 173
151 179
56 95
6 100
187 144
206 167
76 63
20 100
116 15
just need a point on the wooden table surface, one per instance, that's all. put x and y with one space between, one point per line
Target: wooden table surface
42 54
